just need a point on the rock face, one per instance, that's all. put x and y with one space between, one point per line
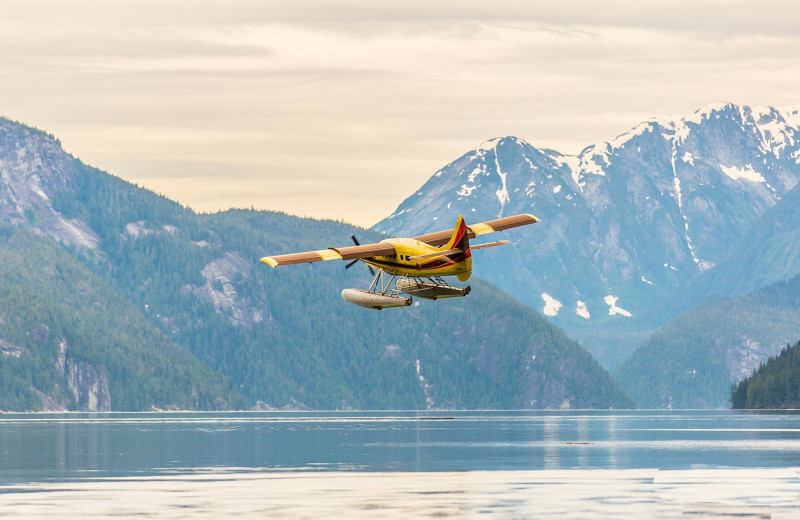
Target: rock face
768 253
220 274
33 170
88 387
626 224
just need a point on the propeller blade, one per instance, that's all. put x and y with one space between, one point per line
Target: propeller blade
356 242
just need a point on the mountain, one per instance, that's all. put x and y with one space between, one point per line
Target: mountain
692 361
627 224
776 383
767 253
68 341
122 299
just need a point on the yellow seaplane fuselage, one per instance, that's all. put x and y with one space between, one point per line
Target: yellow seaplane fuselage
416 258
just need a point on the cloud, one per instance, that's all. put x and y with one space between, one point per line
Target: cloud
313 107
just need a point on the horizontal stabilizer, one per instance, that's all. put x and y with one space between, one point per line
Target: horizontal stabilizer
436 254
441 237
491 244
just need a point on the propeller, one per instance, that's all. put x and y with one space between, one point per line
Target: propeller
351 264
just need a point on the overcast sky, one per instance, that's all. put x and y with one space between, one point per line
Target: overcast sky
342 109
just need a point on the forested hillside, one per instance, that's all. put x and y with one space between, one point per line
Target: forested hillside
69 341
776 383
692 361
169 308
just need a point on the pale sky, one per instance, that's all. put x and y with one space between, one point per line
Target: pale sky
342 109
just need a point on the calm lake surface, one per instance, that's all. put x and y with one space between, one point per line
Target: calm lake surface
577 464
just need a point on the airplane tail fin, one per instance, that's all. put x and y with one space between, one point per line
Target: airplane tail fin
460 240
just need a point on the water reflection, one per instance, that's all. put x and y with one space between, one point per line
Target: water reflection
213 493
556 464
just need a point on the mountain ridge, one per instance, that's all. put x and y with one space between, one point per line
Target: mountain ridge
626 222
174 281
692 361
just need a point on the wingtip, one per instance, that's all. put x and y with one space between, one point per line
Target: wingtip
535 219
269 261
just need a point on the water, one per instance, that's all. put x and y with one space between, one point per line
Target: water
583 464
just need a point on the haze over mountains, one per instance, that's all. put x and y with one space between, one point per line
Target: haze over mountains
629 224
692 361
117 298
676 240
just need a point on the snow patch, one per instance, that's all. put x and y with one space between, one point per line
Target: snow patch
705 265
551 305
638 130
680 132
466 191
613 309
747 173
679 199
776 127
688 158
573 163
531 166
706 111
502 193
485 146
582 311
557 189
678 195
645 280
791 115
591 166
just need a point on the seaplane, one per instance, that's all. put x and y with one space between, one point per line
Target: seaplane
409 267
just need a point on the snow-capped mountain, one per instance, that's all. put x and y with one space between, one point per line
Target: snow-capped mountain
626 223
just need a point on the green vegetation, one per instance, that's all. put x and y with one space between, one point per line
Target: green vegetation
776 383
50 298
174 310
692 360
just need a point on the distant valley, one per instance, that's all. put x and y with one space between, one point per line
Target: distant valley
692 361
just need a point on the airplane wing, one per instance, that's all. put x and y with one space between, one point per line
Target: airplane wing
332 253
382 249
482 228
